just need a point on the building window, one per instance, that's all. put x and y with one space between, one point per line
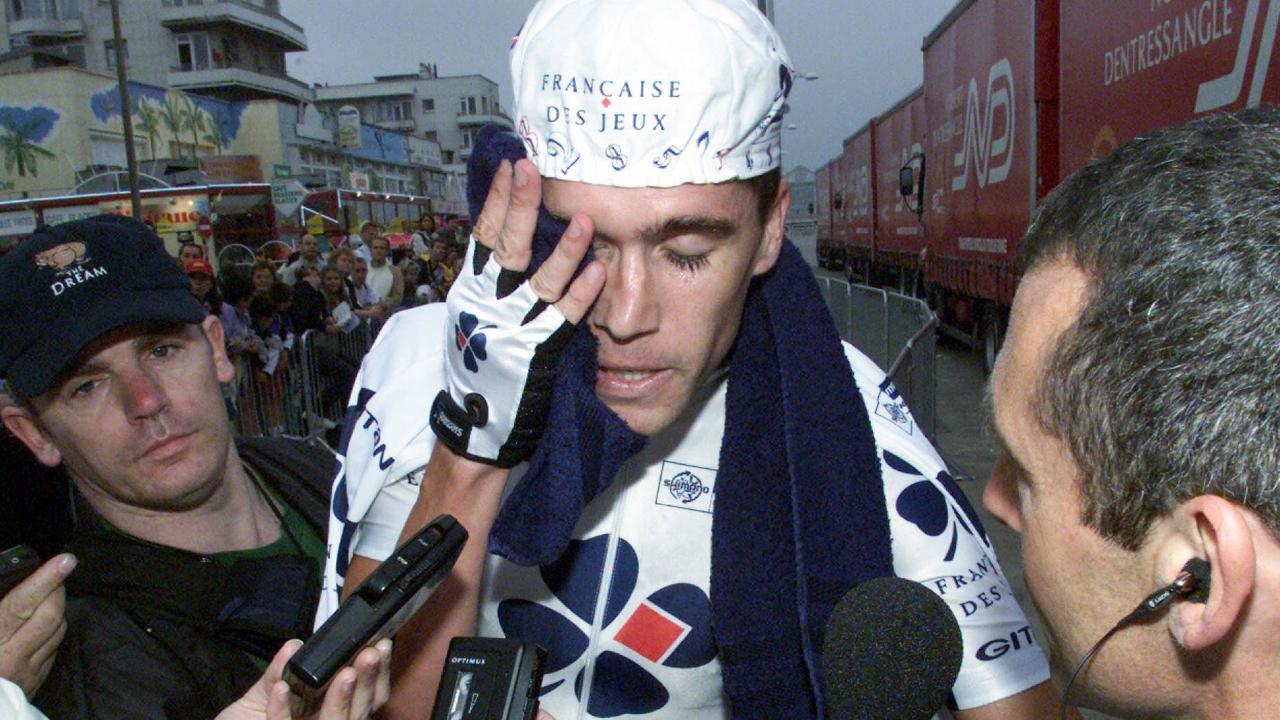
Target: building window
428 104
393 111
75 53
466 138
193 51
37 9
20 10
110 47
471 106
484 106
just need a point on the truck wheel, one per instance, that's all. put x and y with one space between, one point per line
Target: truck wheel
990 337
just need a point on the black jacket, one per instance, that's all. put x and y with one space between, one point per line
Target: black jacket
155 633
308 309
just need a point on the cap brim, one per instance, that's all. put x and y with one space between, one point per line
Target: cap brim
39 368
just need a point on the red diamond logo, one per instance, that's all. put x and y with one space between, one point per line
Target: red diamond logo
606 102
651 633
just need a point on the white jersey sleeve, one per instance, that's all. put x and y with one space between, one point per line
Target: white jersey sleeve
386 443
14 705
938 540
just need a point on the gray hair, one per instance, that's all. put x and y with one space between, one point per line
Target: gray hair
1168 385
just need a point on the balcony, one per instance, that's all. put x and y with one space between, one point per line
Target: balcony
237 15
233 83
405 124
39 30
473 119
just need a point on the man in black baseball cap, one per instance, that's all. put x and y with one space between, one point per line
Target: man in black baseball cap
184 539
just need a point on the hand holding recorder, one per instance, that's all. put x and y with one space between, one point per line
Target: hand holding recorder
32 620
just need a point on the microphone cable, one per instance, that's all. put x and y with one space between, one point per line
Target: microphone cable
1191 579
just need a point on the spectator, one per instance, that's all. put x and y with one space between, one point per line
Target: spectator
202 285
309 313
436 273
335 289
178 528
189 251
415 293
384 277
360 241
263 275
308 309
423 235
268 328
343 260
308 254
281 296
237 329
368 304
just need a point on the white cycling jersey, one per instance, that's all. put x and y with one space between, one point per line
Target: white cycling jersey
625 613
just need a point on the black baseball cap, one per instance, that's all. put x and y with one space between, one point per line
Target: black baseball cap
67 284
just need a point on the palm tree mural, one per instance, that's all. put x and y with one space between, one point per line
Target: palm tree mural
149 123
193 120
221 127
20 132
214 137
174 118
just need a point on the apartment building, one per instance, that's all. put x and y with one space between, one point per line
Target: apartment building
448 110
228 49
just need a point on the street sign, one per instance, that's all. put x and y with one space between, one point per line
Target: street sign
281 171
287 195
18 222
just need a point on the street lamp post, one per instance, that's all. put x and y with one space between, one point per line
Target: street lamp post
126 116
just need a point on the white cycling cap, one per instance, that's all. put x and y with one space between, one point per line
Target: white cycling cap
650 93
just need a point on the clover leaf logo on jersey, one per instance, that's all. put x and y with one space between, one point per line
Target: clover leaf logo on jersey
670 628
922 504
470 341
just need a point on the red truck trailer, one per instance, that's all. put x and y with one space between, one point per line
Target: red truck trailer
1128 69
899 142
822 211
982 80
857 169
1018 94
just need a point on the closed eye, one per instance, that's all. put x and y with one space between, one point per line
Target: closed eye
687 263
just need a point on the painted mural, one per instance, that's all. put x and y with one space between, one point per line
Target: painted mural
53 123
187 123
22 130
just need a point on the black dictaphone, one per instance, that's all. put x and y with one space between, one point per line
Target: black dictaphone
490 679
16 564
379 606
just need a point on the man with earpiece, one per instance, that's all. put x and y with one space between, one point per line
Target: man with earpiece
1136 404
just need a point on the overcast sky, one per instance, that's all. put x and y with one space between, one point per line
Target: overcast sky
865 52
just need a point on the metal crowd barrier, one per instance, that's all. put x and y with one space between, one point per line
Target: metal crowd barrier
299 399
897 332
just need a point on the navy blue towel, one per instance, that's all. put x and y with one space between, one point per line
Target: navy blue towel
799 516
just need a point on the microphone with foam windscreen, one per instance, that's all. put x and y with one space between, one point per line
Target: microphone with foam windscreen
892 652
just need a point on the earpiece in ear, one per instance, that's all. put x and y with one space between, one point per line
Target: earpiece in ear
1197 589
1192 583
